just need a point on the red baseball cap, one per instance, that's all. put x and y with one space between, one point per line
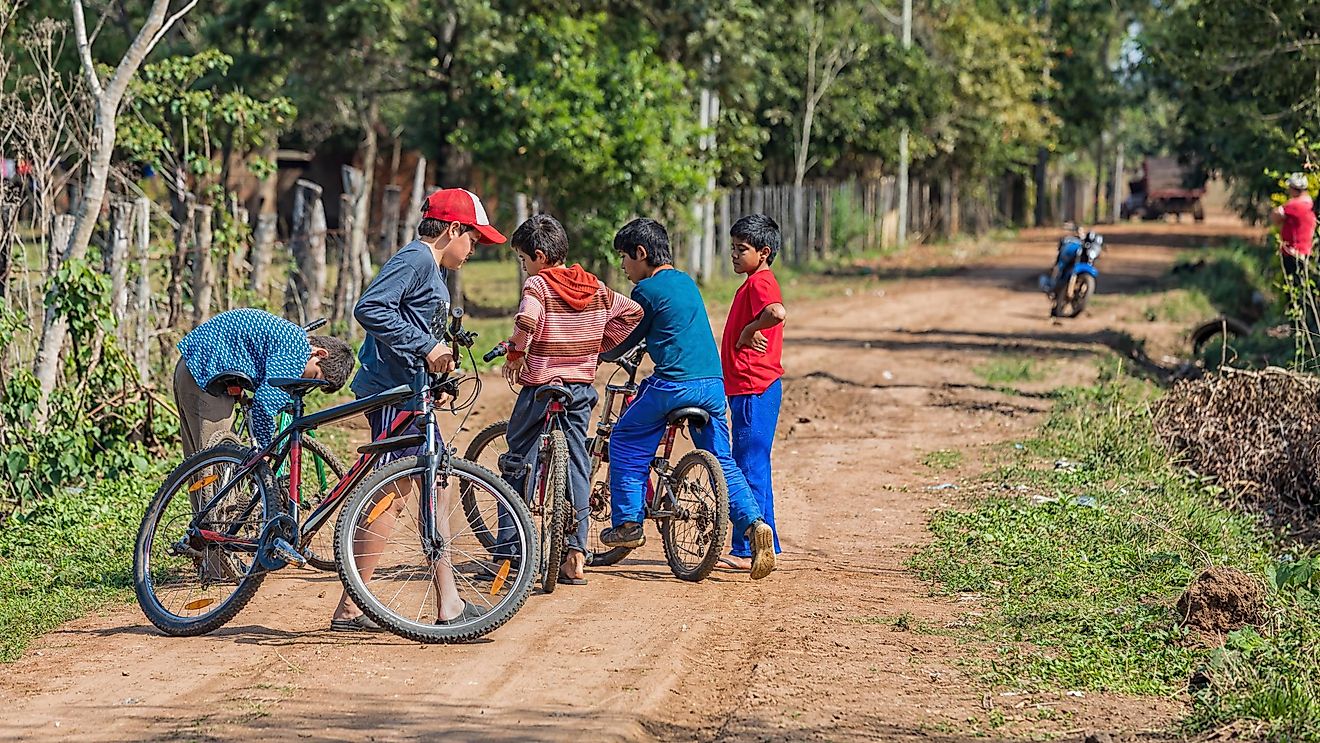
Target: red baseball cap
462 206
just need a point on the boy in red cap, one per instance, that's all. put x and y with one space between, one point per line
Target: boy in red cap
396 310
566 318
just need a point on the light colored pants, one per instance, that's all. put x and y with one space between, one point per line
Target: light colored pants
201 415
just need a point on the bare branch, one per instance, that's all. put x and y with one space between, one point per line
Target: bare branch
169 23
85 49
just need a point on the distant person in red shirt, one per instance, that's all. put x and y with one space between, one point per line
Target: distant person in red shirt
750 353
1296 222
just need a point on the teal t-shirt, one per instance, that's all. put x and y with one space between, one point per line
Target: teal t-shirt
676 328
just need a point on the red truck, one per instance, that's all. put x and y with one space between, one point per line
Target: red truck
1165 187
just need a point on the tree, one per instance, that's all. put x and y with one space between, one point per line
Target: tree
108 96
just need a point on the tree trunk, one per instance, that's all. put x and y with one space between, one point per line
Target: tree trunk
108 98
1115 204
522 214
202 271
955 207
1099 179
359 252
8 225
143 326
346 287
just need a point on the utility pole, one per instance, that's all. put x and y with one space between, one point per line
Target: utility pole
903 155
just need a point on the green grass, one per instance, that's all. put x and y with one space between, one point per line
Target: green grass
1010 369
943 459
67 555
1080 594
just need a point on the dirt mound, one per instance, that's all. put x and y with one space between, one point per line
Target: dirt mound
1257 433
1221 600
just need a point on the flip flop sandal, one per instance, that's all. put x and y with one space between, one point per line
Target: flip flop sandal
470 611
359 623
728 564
564 580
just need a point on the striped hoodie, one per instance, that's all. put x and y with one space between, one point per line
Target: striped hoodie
567 317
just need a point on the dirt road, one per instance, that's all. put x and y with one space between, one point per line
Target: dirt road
878 376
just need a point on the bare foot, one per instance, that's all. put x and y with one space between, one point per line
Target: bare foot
574 566
733 562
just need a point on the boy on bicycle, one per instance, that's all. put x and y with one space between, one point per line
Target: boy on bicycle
751 350
687 373
256 345
565 319
397 310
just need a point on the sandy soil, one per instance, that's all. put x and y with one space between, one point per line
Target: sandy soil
878 376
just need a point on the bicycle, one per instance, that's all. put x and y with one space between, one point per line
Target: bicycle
692 494
196 568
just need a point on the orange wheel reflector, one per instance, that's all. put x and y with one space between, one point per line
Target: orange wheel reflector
500 577
379 508
198 604
202 483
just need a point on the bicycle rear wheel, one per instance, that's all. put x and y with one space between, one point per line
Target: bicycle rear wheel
397 580
484 450
187 584
599 512
553 488
321 472
699 501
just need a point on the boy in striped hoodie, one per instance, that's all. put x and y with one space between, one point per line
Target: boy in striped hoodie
567 317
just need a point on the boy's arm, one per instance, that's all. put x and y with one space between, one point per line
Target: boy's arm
378 313
527 323
266 402
766 295
638 333
623 317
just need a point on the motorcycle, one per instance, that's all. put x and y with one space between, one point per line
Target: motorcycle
1072 282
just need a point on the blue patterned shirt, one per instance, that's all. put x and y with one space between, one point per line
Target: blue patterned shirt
253 342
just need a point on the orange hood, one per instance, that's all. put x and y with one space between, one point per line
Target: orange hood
573 285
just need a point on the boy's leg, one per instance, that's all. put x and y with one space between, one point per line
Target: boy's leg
754 419
523 438
632 446
201 415
578 413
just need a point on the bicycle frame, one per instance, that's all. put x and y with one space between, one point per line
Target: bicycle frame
534 487
600 442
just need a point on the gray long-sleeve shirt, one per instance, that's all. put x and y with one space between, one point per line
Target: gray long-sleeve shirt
396 310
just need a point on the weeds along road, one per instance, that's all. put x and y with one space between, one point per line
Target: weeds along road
885 371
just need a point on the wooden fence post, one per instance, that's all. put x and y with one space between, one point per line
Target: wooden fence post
308 243
263 245
202 278
184 234
389 223
142 298
413 216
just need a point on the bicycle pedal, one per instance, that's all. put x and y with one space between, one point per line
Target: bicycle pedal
285 551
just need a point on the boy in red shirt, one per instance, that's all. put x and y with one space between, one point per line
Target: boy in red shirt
1296 221
750 353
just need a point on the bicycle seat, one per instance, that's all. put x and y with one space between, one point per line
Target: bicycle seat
297 386
553 393
694 417
230 383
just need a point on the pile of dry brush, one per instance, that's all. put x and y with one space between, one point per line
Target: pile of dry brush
1255 432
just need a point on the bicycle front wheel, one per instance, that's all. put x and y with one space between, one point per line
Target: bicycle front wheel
407 585
188 583
693 534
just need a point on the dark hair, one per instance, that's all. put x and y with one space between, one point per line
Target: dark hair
649 234
759 231
544 233
338 361
430 227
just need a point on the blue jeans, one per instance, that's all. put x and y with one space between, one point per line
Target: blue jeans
754 418
637 434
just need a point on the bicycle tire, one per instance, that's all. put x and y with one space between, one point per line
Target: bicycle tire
144 586
480 443
317 558
715 517
413 630
554 512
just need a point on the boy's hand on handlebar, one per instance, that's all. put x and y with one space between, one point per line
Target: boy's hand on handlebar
440 360
512 367
750 338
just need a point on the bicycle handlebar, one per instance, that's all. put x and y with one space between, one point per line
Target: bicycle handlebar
313 325
501 349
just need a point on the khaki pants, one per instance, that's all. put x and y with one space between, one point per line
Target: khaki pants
201 415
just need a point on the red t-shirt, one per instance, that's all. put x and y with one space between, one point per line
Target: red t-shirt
1298 225
746 370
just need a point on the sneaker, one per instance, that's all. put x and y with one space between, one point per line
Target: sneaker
470 612
628 534
762 538
359 623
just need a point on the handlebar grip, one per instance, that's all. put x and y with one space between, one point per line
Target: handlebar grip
313 325
499 350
